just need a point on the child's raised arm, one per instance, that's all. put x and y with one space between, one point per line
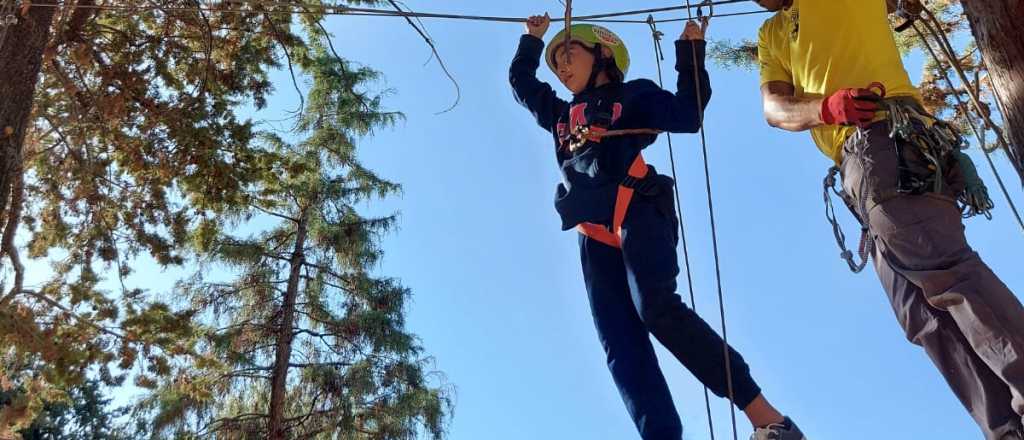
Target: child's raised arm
678 113
536 96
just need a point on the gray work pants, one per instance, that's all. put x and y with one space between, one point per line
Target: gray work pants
946 299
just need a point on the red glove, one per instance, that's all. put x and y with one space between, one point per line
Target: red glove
851 106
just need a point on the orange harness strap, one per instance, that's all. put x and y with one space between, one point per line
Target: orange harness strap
613 237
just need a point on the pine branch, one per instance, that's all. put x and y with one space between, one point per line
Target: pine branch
69 312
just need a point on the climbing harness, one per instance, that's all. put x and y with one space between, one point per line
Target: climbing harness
941 144
937 142
591 36
594 133
638 174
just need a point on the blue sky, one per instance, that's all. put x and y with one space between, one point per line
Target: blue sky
499 298
498 295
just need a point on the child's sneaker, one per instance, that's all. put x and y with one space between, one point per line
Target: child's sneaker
786 430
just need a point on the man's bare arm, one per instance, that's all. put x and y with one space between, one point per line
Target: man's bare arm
782 109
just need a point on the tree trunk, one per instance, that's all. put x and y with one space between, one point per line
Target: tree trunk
279 376
997 26
21 58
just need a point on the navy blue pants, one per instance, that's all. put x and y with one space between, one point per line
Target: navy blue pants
633 295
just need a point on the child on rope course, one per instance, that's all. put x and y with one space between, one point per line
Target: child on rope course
903 174
624 212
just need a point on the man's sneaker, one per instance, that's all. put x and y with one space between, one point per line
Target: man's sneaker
786 430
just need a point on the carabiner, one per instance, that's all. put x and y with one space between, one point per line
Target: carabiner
711 9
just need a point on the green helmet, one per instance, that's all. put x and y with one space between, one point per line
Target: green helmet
590 35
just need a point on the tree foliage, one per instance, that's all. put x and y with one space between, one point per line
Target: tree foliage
80 413
304 309
137 147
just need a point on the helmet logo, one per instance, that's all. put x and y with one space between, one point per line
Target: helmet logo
606 36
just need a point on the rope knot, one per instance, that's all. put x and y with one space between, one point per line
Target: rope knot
654 28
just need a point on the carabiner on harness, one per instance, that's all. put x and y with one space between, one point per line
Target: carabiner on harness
580 135
940 144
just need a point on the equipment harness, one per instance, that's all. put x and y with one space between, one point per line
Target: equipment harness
939 143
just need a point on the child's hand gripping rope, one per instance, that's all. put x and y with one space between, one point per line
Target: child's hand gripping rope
538 25
694 31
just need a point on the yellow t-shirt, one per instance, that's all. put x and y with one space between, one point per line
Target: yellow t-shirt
822 46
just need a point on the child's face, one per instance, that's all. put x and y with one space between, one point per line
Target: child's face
575 74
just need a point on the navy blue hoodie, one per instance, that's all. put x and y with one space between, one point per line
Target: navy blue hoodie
591 174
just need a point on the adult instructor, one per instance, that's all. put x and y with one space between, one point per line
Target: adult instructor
832 67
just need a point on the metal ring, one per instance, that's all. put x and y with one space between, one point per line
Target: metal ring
879 87
711 9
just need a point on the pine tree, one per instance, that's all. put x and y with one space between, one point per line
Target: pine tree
117 138
309 342
120 132
996 26
84 414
